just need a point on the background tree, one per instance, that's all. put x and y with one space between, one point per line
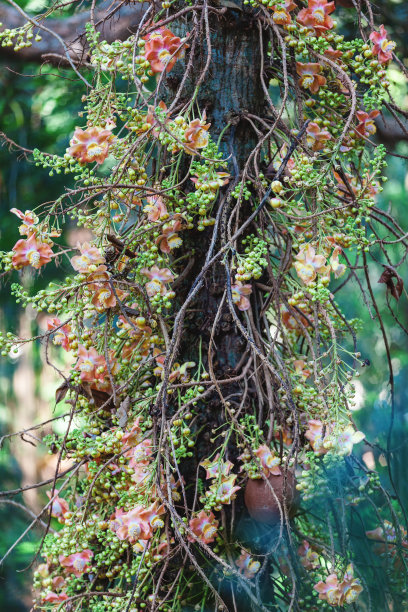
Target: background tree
250 383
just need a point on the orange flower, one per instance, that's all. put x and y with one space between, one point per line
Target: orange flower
89 362
162 49
90 145
169 239
58 507
216 467
157 276
90 256
310 77
281 13
62 333
366 126
77 563
29 219
247 565
195 135
155 208
204 526
239 295
31 252
315 137
316 16
334 55
269 463
225 489
308 264
383 47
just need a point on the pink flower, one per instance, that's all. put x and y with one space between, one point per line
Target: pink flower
310 77
316 16
204 527
156 208
315 436
224 489
77 563
90 256
62 334
281 14
239 295
138 523
52 597
29 219
308 557
169 239
315 137
89 362
308 264
343 442
339 593
300 368
337 268
31 252
383 47
103 295
216 467
247 565
91 144
131 438
196 135
157 276
269 463
366 126
162 49
58 507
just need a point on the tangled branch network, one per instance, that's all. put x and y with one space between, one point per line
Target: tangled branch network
226 172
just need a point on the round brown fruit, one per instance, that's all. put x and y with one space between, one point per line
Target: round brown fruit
265 505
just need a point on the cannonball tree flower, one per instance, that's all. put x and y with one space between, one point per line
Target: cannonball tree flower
239 295
169 238
29 219
59 506
158 276
162 49
211 180
335 54
196 135
316 137
88 260
330 590
343 442
63 333
247 565
31 252
310 77
301 369
315 435
225 489
350 587
386 537
52 597
366 126
317 16
269 463
155 208
337 268
216 467
77 563
295 320
308 557
308 264
91 145
383 47
152 116
204 527
281 13
88 364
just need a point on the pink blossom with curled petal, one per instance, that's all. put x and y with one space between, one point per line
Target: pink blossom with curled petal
155 208
329 590
90 256
88 362
315 436
196 134
337 268
162 49
204 527
225 489
316 138
309 264
52 597
308 557
91 145
77 563
269 463
58 507
29 219
310 77
169 238
239 295
157 276
246 564
31 252
383 47
366 126
316 16
216 467
62 333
